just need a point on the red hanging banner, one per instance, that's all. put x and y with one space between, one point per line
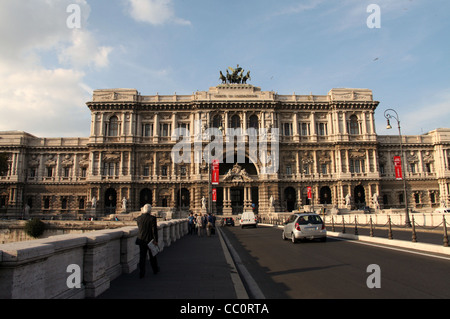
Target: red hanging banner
214 195
215 172
309 192
398 168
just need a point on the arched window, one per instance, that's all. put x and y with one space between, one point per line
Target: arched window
113 128
235 121
217 121
253 122
354 125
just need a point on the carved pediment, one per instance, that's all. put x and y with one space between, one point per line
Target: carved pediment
84 161
67 161
111 157
237 174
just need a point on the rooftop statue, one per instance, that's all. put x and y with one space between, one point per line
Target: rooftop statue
235 77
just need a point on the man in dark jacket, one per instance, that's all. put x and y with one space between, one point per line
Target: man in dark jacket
147 231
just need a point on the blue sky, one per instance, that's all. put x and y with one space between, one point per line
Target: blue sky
48 70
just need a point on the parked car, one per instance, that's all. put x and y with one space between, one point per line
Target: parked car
442 210
248 219
228 221
304 226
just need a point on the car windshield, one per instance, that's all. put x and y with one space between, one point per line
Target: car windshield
309 219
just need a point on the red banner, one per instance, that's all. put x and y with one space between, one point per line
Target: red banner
215 172
398 168
309 192
214 195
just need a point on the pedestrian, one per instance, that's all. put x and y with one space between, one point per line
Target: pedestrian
191 224
200 225
147 231
208 225
213 230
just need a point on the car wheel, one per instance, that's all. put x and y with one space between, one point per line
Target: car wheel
293 238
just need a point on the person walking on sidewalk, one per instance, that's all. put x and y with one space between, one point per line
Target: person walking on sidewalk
147 231
191 224
200 225
209 224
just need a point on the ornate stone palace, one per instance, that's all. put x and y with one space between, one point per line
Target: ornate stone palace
327 142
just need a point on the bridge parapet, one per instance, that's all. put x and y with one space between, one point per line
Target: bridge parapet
53 267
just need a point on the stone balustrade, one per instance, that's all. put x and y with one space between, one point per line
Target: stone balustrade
51 267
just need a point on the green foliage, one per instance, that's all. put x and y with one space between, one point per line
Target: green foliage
34 227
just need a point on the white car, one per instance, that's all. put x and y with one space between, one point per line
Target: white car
248 219
304 226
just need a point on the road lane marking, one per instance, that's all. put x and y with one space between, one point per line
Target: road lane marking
392 248
248 278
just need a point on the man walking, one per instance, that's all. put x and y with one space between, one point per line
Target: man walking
147 231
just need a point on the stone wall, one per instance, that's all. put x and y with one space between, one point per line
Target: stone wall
41 269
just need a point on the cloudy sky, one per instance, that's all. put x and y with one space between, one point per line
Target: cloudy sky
50 61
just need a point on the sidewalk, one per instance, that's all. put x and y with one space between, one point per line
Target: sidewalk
191 268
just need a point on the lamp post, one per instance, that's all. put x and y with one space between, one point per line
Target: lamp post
392 114
209 163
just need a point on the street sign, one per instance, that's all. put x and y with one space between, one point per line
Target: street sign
398 168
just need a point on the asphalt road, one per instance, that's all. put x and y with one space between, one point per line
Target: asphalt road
335 269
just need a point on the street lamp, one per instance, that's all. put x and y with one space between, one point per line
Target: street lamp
209 163
389 114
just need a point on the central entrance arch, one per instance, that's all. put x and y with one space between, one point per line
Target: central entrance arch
183 198
290 198
325 195
360 196
110 201
237 200
145 197
248 165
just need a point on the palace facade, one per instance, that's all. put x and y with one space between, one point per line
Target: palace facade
326 142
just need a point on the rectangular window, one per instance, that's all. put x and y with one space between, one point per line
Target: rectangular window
109 169
183 171
288 170
304 129
357 166
412 167
287 129
165 129
164 170
432 198
66 172
64 203
324 168
147 130
83 172
322 129
306 169
49 171
46 202
146 171
417 198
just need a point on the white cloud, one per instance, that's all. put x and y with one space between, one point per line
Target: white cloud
299 8
39 99
43 102
155 12
85 51
430 113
